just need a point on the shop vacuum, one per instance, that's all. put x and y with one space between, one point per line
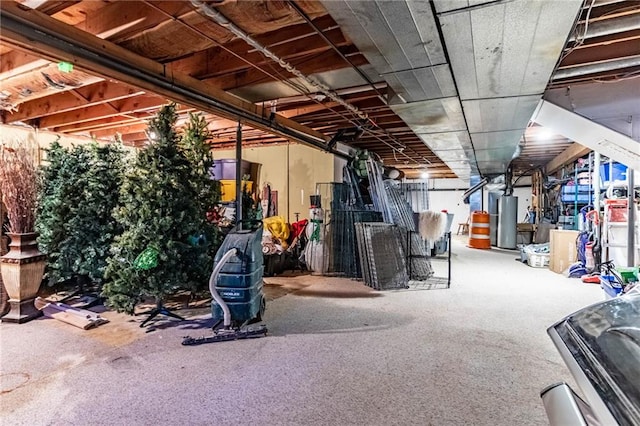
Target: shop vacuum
236 287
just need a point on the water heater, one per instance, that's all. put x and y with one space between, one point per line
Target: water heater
507 222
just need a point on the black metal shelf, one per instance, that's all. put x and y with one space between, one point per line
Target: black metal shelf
432 281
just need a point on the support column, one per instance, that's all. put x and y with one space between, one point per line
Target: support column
239 175
631 221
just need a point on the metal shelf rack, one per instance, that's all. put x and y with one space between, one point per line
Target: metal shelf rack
433 281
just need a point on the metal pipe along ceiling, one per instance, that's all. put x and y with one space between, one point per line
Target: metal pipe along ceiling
608 27
20 30
335 48
224 22
630 61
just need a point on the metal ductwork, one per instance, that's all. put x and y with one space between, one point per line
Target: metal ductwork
475 188
221 20
604 66
594 136
608 27
307 80
459 76
402 43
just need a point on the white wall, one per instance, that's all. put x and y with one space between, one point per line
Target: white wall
451 201
446 194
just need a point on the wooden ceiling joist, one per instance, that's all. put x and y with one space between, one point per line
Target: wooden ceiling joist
573 152
84 97
35 32
217 61
123 107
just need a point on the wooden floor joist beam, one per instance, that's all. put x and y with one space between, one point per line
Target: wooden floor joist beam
39 34
569 155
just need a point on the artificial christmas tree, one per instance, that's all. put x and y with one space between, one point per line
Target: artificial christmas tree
51 211
161 214
80 189
195 146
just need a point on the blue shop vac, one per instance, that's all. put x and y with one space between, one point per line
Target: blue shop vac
236 286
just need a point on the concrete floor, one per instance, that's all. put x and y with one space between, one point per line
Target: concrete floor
337 354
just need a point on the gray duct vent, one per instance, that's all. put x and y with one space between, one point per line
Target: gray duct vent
502 55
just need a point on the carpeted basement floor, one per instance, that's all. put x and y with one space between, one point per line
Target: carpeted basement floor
337 354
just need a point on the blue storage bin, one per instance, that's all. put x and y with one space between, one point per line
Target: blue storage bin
580 198
571 189
619 172
610 286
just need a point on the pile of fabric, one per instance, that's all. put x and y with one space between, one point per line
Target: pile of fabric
432 225
278 236
275 235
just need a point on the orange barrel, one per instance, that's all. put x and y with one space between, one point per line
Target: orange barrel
479 230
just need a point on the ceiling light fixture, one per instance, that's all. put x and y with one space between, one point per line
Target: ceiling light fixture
424 175
545 134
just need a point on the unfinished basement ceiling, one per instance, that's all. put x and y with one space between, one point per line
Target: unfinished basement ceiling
398 73
482 68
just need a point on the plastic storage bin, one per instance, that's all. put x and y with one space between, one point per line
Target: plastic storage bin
610 286
571 189
619 172
537 260
228 188
628 275
226 169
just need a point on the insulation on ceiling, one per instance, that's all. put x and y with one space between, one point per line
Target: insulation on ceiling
259 17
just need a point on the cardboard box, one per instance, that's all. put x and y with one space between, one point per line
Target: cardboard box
562 249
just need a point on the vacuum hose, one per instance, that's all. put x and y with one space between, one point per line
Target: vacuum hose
212 286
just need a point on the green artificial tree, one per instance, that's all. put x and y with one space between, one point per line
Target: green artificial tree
51 211
249 206
92 227
163 217
196 146
80 189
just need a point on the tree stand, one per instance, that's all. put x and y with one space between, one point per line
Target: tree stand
160 309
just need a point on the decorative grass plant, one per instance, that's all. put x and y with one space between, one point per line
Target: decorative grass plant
19 183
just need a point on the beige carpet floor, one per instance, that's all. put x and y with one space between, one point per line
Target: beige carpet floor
337 354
